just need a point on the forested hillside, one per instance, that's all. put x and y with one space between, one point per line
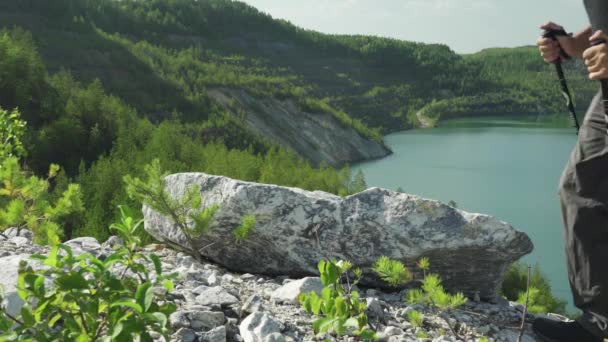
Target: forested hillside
163 57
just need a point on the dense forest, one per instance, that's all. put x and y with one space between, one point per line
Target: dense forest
106 86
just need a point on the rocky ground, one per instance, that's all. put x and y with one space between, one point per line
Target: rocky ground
216 305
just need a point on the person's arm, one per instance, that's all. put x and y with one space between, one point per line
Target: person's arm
580 42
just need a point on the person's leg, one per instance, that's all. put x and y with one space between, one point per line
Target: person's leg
584 200
584 203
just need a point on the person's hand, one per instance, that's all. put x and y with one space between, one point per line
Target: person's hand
550 48
596 57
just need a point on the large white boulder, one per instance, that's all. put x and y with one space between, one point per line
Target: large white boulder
297 228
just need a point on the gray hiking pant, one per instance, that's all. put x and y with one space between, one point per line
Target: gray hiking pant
584 203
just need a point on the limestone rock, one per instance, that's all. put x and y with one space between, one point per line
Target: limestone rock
205 320
388 332
179 319
275 337
215 335
289 292
86 244
374 308
252 304
258 326
511 335
215 295
112 241
14 232
297 228
184 335
20 240
8 280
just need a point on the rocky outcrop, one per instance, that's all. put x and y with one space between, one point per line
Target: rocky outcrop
296 228
318 137
267 319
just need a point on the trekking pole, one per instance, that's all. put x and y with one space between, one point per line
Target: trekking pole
604 82
553 34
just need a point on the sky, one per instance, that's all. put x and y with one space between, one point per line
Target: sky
464 25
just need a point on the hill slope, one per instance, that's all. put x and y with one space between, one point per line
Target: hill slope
162 56
164 77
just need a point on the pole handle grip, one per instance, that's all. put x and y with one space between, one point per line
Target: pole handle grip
553 34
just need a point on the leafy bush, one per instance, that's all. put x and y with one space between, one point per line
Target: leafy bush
83 298
339 309
542 298
12 129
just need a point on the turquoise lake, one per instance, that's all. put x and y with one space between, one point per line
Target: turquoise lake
508 168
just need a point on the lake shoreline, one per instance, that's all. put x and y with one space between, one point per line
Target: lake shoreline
505 167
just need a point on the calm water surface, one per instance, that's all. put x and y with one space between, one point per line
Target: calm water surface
506 168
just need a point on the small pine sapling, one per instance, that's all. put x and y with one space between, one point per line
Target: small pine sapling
415 318
424 265
185 212
434 295
431 292
243 231
422 334
25 200
392 271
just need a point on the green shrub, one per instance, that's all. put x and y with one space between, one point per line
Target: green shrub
120 298
542 298
415 318
25 200
422 334
392 271
12 129
431 292
424 265
339 309
242 231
